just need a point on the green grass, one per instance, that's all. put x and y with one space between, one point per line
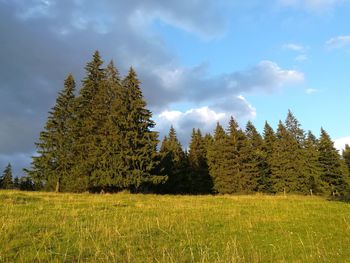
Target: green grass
47 227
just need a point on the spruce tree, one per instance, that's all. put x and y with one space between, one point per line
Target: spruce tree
222 160
173 164
111 162
87 145
251 160
105 156
237 162
312 169
6 181
140 142
269 140
215 161
300 154
201 182
52 165
332 172
294 127
285 165
346 155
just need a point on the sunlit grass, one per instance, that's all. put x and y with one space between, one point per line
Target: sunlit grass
42 227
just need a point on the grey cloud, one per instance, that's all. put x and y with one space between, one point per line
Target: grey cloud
43 40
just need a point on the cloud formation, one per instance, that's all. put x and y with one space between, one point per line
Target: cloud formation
339 143
338 42
294 47
318 6
43 40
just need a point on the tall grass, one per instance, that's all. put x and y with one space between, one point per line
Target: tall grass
48 227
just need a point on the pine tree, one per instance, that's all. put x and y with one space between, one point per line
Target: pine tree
173 164
53 163
332 173
269 140
6 179
140 142
201 182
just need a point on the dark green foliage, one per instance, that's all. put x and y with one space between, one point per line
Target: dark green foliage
52 165
293 126
251 160
88 119
285 162
269 140
332 168
100 140
201 182
346 155
103 140
289 158
6 181
312 168
236 142
139 142
16 183
217 158
27 184
173 164
224 159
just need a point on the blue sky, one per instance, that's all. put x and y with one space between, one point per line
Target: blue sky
199 62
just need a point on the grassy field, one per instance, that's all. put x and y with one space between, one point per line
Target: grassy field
47 227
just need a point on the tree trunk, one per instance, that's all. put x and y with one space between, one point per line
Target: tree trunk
57 189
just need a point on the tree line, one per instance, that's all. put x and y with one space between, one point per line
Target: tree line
101 138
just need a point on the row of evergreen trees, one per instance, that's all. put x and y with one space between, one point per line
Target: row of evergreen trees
103 139
8 182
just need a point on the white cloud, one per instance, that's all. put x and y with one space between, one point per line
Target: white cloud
204 118
340 143
301 58
293 47
311 91
318 6
338 42
183 122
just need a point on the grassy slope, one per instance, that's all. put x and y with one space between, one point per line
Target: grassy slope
45 227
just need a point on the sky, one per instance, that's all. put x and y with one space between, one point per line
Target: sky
199 61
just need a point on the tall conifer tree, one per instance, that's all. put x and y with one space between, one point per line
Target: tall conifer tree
251 159
331 167
201 182
299 154
173 164
140 142
6 181
269 140
53 164
284 165
312 168
222 183
346 155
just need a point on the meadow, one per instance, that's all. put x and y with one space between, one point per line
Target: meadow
49 227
